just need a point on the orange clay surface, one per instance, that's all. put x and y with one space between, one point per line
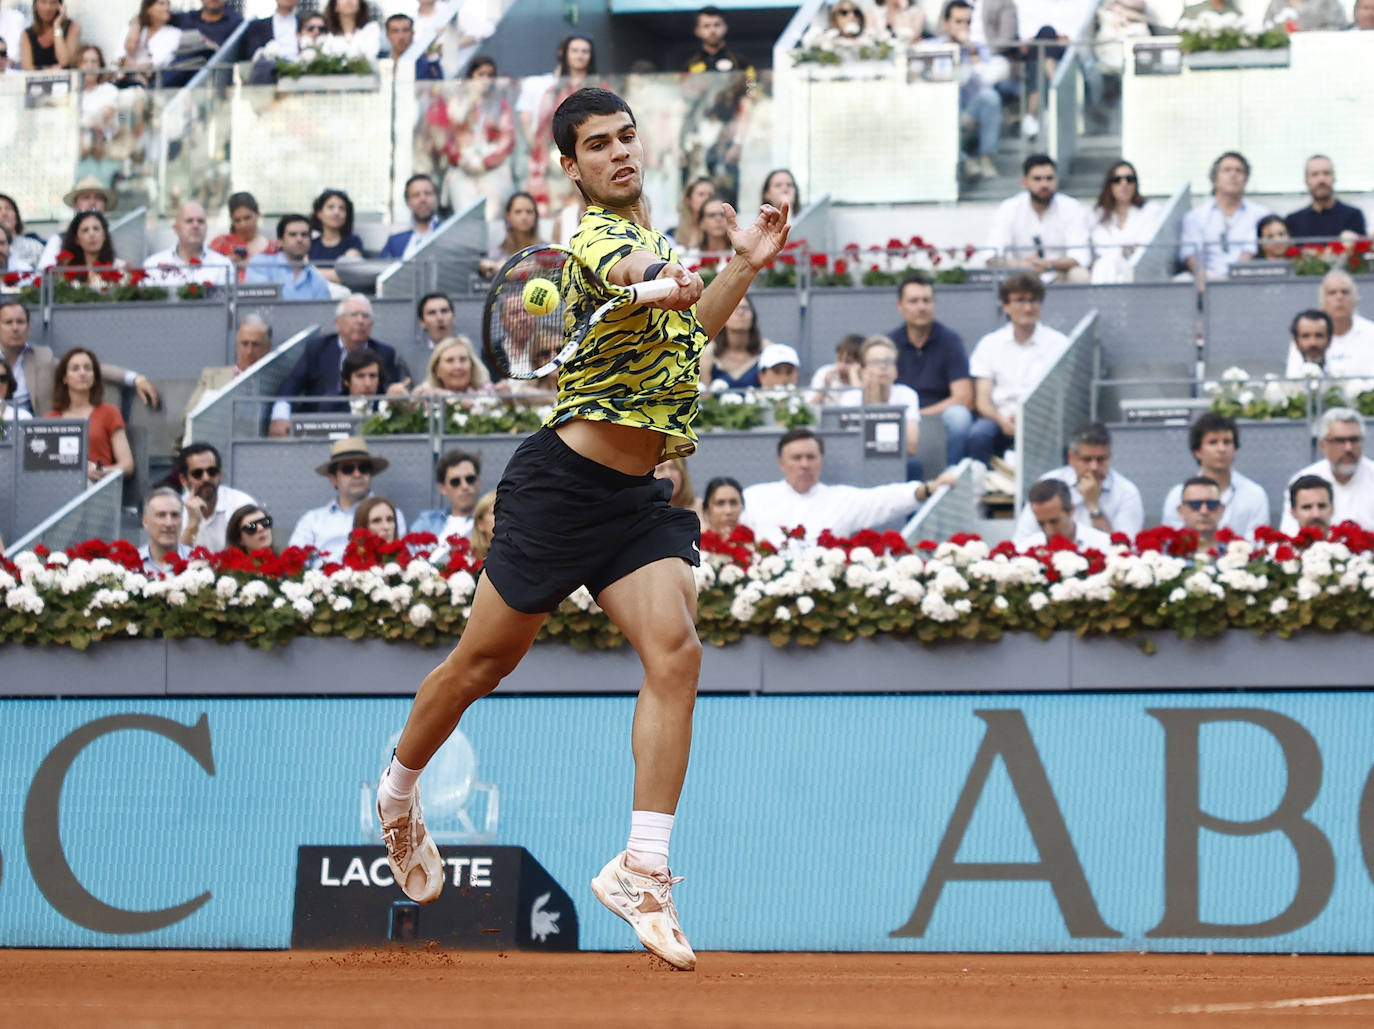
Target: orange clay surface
420 988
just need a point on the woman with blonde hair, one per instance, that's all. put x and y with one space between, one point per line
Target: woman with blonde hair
483 524
454 368
675 471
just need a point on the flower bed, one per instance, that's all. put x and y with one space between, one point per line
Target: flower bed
837 589
1237 395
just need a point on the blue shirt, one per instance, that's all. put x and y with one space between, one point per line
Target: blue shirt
930 369
298 282
398 243
327 528
747 379
1221 241
1310 223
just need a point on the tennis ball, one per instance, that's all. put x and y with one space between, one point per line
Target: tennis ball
541 296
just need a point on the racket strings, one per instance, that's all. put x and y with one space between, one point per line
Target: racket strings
524 341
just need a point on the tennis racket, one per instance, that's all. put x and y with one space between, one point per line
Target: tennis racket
523 344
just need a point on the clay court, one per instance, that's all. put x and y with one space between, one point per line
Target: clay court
418 987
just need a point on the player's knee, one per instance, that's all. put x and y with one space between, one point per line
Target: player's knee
675 660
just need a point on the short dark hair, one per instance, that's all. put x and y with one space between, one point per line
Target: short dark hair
851 345
400 17
189 451
801 432
1035 161
578 109
1212 172
356 362
953 5
920 278
420 307
711 12
244 201
7 387
12 302
1021 282
1094 434
418 176
717 483
1049 489
1210 421
1311 315
1199 480
289 219
1303 482
452 460
18 218
480 61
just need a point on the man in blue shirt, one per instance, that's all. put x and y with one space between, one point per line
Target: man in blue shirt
289 267
350 469
1326 217
423 201
931 360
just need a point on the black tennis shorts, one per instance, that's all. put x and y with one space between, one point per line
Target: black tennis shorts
563 521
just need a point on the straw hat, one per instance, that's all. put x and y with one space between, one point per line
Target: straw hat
91 184
351 447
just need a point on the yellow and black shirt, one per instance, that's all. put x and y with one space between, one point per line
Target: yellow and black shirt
639 365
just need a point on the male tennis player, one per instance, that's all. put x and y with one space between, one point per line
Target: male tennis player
579 504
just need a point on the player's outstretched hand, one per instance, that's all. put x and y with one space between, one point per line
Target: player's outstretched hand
762 241
688 292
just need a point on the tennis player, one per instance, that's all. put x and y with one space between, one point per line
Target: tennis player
579 505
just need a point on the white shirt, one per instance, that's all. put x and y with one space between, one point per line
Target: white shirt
9 413
284 29
1062 231
771 507
169 268
1351 502
1352 353
1087 537
160 47
901 396
457 525
326 529
1247 505
1110 238
1225 240
1119 501
212 531
1015 367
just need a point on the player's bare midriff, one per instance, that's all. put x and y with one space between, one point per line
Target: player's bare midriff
626 448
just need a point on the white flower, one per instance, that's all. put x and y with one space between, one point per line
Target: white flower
805 605
24 598
1278 606
280 602
1000 602
1178 594
730 574
303 607
420 615
1312 370
1037 600
103 623
935 607
254 591
1246 397
1235 374
342 604
132 629
963 605
226 587
1211 387
704 576
742 608
731 398
1274 395
783 613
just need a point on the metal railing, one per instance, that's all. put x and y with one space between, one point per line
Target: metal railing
95 514
1054 407
950 509
445 262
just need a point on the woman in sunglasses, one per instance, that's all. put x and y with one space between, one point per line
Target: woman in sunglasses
250 530
1122 220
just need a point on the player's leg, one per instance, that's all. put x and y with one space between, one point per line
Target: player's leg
496 637
655 607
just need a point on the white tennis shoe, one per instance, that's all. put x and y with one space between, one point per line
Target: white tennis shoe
646 902
411 853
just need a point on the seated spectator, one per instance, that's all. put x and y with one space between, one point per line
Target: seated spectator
1122 220
844 31
1192 12
250 530
378 516
483 525
1326 217
190 262
454 369
89 194
9 412
694 195
252 342
8 262
778 367
162 524
423 203
459 475
408 63
1222 231
283 26
1274 240
350 469
1049 505
215 22
52 41
206 502
714 54
722 506
88 249
1340 437
331 222
800 498
246 240
712 235
78 391
980 105
832 379
352 22
675 471
732 359
522 230
780 187
1099 495
24 247
901 22
435 315
1307 15
1041 228
33 365
1202 509
288 264
100 104
1309 502
361 377
151 43
878 371
931 360
1214 439
1007 362
1311 331
1364 15
1352 334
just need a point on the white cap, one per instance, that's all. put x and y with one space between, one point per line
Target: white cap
778 353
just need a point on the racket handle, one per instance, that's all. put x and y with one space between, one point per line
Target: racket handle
654 289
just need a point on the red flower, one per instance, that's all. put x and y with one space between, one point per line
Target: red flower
1121 538
710 261
1293 251
851 248
1336 247
927 545
65 257
1361 246
1004 549
959 539
741 534
13 278
1284 552
819 261
969 251
841 266
787 259
137 275
193 262
874 268
112 275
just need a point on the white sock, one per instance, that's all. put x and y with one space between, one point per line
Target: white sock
398 783
649 834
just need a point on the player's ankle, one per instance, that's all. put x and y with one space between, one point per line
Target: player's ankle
396 789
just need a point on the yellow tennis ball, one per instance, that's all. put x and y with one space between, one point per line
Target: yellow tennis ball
541 296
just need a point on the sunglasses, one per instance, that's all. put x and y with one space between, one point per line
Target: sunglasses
314 30
1202 505
204 473
461 480
265 522
348 468
5 378
1124 178
845 12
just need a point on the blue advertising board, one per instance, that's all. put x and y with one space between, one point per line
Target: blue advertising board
1086 822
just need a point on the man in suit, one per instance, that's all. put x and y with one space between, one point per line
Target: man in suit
423 200
252 341
34 366
283 26
317 373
